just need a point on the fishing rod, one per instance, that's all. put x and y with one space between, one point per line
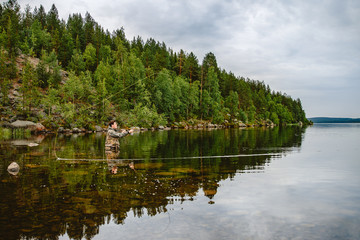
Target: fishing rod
168 158
103 101
118 92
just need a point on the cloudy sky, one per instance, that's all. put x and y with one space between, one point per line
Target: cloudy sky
307 49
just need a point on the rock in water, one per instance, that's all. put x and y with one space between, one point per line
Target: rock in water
13 168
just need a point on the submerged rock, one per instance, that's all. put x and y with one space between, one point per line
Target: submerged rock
33 144
13 168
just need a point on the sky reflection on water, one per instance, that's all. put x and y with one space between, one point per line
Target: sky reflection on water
307 190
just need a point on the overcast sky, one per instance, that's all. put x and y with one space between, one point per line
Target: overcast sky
306 49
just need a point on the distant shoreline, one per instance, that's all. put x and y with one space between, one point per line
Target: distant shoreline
334 120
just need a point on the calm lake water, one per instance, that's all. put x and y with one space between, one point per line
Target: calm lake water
280 183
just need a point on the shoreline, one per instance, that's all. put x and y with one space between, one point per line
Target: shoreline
38 128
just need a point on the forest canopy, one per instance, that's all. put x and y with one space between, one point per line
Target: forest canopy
74 73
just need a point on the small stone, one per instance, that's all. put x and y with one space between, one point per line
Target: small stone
13 168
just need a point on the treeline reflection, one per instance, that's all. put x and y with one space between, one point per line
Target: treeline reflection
49 198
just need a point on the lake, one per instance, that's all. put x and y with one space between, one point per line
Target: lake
266 183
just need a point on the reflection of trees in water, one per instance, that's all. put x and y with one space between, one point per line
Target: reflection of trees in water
50 198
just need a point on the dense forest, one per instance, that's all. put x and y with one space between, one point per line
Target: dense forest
76 74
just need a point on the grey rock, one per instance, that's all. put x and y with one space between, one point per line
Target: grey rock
23 124
34 127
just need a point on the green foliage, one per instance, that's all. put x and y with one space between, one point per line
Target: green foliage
40 39
51 101
164 95
90 58
105 53
10 22
4 77
77 63
54 69
42 75
140 82
215 100
27 88
232 102
144 116
5 134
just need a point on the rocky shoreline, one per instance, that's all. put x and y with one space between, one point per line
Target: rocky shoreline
37 128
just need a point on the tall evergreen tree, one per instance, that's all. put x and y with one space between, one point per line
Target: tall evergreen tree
10 22
52 19
40 15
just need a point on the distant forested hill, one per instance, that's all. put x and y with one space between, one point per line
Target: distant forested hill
73 73
334 120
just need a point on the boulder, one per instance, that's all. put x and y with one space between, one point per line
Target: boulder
34 127
23 124
13 168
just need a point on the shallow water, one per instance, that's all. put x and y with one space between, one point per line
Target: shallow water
281 183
